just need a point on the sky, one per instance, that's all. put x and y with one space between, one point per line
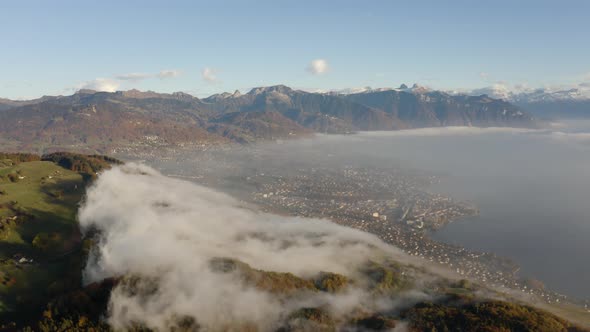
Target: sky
205 47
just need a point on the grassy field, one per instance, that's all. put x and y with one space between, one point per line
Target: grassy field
39 238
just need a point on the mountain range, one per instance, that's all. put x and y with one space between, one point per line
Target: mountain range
92 120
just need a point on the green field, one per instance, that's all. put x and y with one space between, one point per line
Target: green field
40 241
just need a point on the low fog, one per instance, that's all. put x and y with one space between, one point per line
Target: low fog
167 230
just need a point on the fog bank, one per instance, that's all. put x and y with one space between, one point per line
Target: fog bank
167 231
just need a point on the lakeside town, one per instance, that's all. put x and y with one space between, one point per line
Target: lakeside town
396 209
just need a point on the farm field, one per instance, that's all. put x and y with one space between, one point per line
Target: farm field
40 243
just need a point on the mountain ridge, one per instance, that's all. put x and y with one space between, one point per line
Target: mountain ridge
102 120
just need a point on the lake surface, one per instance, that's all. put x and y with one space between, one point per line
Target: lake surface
532 189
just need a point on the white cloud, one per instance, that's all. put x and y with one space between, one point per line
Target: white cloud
496 90
101 84
209 75
186 226
318 67
484 76
164 74
113 84
134 77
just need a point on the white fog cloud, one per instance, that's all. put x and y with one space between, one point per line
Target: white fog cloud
318 67
169 230
209 75
114 83
133 77
101 84
164 74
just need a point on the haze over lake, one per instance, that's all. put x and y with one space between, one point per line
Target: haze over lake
532 188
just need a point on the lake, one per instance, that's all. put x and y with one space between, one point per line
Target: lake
532 189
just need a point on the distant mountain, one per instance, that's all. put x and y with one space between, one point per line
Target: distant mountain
380 109
102 120
559 109
545 103
402 88
570 103
319 112
543 95
418 107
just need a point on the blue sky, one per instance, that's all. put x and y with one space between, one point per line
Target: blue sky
204 47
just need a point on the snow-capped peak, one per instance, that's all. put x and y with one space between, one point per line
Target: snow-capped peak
367 89
269 89
527 95
545 95
352 91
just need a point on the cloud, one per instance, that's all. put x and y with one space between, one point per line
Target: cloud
133 77
209 75
164 74
496 90
484 76
318 67
113 84
101 84
170 236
